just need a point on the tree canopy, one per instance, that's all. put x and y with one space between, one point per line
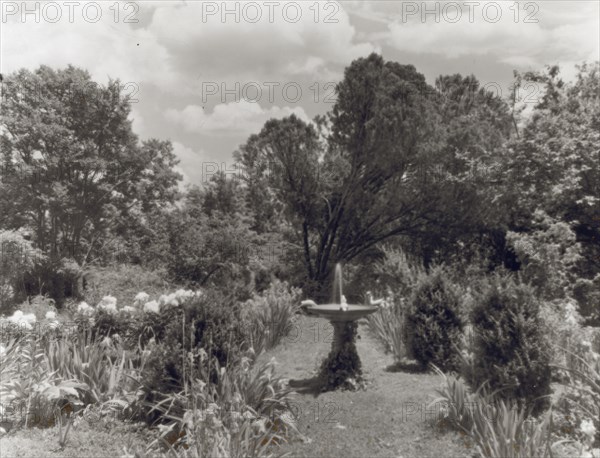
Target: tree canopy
391 158
72 167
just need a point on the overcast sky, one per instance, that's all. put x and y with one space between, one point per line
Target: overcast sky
206 80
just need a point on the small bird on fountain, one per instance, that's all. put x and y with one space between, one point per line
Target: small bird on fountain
381 303
344 303
307 303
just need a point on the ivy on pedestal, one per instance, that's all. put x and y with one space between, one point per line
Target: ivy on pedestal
342 367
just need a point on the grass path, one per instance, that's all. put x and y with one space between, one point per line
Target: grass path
388 419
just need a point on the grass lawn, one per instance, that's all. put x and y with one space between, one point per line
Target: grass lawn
388 419
99 439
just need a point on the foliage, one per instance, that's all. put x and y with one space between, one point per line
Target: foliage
388 325
17 256
500 429
433 323
394 277
549 255
342 367
587 294
243 414
88 174
270 315
30 388
580 399
60 279
559 174
396 272
203 329
209 251
368 171
236 408
104 365
123 282
510 348
207 242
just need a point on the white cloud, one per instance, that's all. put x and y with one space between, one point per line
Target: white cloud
534 44
235 118
174 49
192 164
218 50
137 122
105 48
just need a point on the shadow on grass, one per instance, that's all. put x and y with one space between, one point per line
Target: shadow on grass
406 365
312 386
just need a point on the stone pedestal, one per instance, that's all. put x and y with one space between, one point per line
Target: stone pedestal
342 367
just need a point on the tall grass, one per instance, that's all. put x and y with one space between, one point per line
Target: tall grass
387 325
395 277
242 415
270 316
585 371
28 385
104 366
500 429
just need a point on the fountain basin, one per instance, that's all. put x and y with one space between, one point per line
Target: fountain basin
332 312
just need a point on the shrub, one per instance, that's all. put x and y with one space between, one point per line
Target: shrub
17 256
587 294
58 278
203 329
107 324
123 281
387 270
433 324
510 349
549 256
398 271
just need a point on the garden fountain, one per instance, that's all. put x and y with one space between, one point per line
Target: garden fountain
342 367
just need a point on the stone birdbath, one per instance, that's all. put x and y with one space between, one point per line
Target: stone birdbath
342 367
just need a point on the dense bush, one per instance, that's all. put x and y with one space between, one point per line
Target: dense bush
549 256
17 256
59 279
184 338
510 349
434 324
398 271
189 336
123 282
587 294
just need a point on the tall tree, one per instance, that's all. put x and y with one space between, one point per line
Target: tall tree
476 125
555 164
394 157
72 167
359 176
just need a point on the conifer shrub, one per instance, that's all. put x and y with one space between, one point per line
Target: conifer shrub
510 349
434 324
